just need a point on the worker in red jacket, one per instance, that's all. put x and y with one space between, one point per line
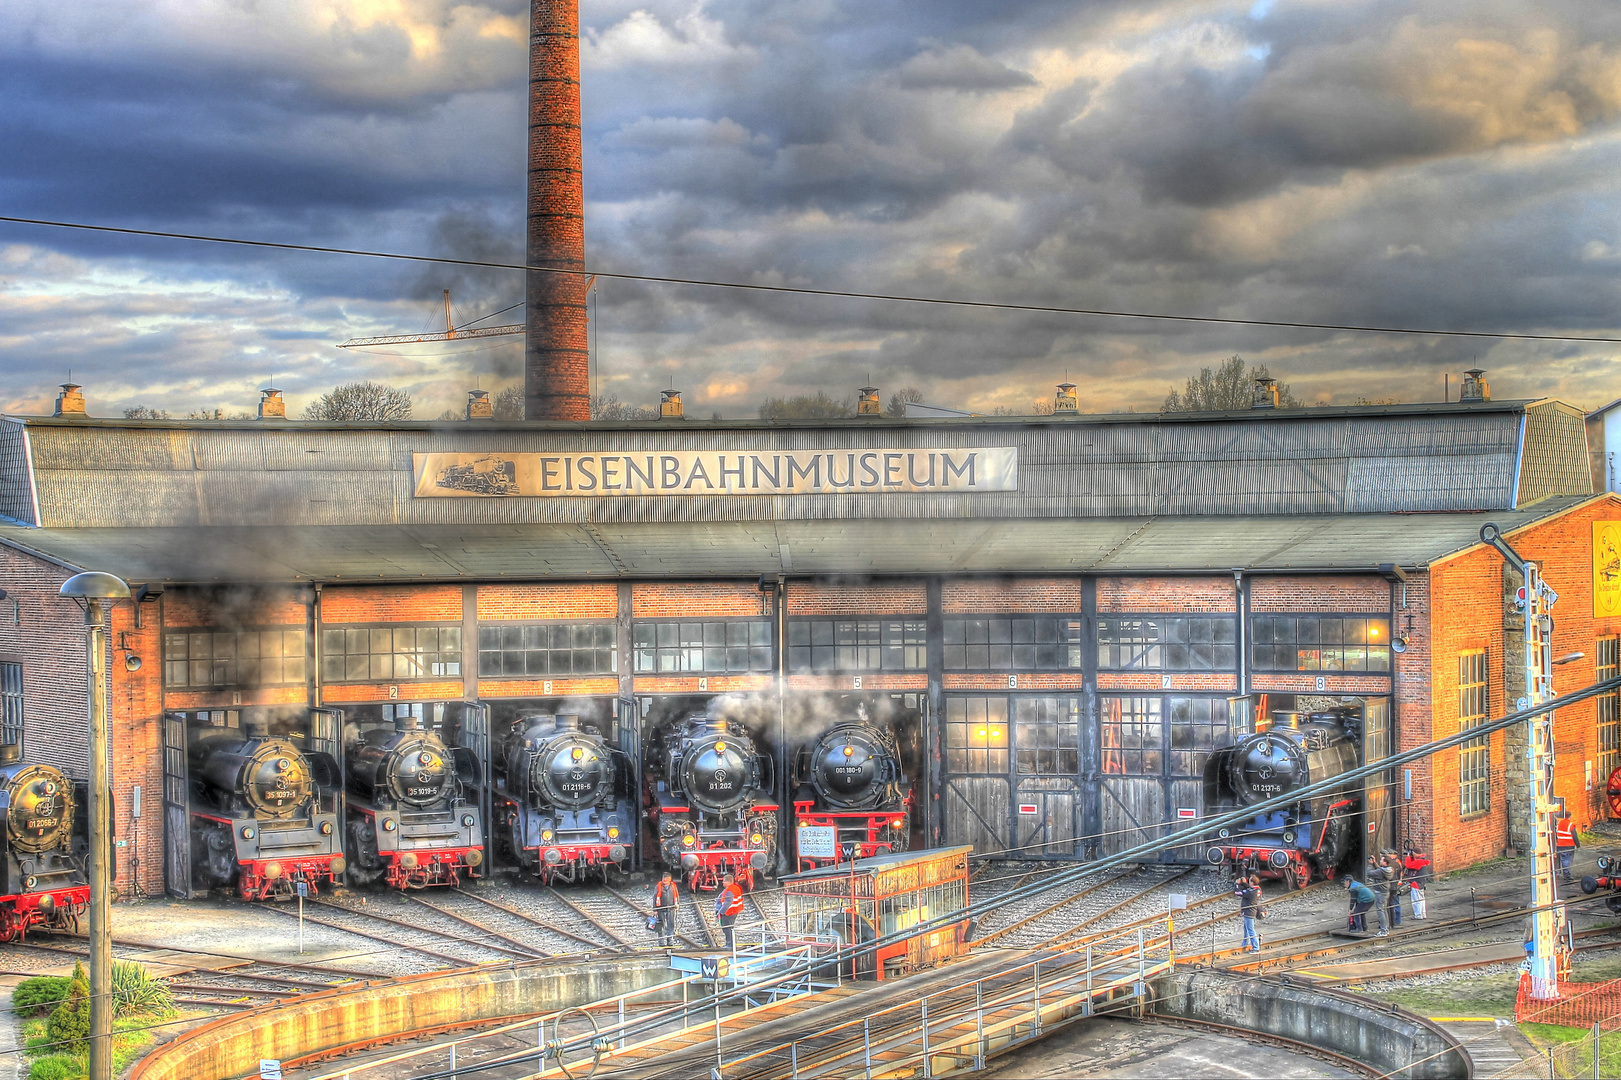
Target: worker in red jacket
1565 842
728 906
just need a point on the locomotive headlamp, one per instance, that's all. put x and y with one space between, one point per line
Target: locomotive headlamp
613 834
688 840
247 832
282 764
389 825
898 822
849 751
545 834
31 881
577 754
720 748
755 838
467 821
326 828
50 787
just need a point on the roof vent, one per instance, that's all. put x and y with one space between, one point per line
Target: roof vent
69 402
479 405
868 404
670 407
1266 394
1475 387
1065 401
271 405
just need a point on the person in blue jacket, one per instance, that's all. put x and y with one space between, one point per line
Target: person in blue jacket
1361 903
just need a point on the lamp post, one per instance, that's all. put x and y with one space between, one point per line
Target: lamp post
95 593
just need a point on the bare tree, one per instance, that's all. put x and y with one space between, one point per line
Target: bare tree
360 401
609 407
509 403
141 412
1230 386
817 406
899 400
217 414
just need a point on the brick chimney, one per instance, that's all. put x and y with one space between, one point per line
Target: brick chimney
1475 387
271 404
70 402
479 405
557 380
670 407
1065 401
867 404
1266 394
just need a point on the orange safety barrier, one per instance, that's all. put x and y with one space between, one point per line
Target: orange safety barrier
1579 1005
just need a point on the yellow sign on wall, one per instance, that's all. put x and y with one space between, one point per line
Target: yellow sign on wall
1606 569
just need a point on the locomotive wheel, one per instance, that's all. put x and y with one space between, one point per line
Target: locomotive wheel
1612 790
578 1062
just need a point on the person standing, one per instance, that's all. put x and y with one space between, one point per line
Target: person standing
1395 885
1249 903
1418 875
1565 842
1361 900
1378 880
666 899
728 906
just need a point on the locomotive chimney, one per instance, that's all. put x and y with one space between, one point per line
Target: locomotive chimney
557 384
407 722
10 753
568 722
255 726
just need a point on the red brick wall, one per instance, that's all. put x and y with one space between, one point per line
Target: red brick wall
498 603
135 713
707 600
392 603
890 598
1167 595
1057 595
48 634
1320 593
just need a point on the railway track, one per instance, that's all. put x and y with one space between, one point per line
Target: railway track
449 947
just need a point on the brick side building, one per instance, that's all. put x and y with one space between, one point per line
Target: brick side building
1078 609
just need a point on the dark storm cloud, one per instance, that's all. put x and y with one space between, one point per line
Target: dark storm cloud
1434 162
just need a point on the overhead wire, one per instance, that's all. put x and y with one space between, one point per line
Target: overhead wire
800 290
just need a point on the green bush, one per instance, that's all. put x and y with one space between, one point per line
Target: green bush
39 995
136 993
70 1022
57 1067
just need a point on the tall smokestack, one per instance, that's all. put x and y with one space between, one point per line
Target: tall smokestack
557 378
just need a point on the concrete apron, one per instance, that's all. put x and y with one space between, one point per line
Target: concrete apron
1392 1040
381 1010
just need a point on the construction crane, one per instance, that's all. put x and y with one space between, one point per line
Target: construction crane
451 333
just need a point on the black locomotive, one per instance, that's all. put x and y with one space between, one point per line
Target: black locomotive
1306 839
264 813
710 801
562 800
43 866
410 822
851 779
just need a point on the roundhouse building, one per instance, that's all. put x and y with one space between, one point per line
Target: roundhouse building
1076 607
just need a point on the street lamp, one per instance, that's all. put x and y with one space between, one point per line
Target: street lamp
95 593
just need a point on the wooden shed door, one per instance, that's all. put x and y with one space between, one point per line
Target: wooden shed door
176 809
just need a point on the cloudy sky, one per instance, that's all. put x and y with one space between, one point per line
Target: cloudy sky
1439 163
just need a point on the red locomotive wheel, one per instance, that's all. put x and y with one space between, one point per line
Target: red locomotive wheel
1612 789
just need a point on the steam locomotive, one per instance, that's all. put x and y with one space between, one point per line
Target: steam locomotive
1609 877
710 800
851 779
44 876
409 821
1311 837
562 799
263 814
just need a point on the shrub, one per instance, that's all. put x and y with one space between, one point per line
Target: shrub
57 1067
70 1022
39 995
136 993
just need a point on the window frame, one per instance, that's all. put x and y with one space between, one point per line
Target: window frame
371 677
522 650
1321 646
13 704
1474 756
1607 665
961 654
1157 654
188 662
682 648
897 637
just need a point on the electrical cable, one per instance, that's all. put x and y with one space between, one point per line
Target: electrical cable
989 305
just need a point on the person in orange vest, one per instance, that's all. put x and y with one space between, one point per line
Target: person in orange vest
665 899
728 906
1565 842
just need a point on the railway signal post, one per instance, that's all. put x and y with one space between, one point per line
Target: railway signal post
95 592
1548 919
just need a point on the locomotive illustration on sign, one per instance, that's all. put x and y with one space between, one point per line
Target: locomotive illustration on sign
561 800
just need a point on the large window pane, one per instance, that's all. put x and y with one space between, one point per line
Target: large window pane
713 647
1353 643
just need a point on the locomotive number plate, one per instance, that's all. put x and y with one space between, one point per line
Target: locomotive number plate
818 842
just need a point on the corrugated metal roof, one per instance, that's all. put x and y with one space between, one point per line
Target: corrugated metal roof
1342 542
156 474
